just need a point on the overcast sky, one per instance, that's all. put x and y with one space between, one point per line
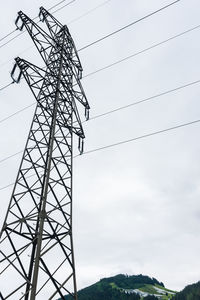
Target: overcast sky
136 205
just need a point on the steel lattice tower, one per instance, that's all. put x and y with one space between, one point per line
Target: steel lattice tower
36 239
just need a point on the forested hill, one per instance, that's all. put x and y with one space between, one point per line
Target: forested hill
131 282
124 287
190 292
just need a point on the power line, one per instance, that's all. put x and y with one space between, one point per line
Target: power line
116 31
11 59
111 111
5 86
52 7
119 108
114 64
4 37
11 39
72 21
146 99
33 19
142 51
10 156
17 112
142 136
10 33
5 187
55 11
128 141
130 56
128 25
88 12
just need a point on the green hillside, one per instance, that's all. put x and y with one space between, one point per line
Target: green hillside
190 292
124 287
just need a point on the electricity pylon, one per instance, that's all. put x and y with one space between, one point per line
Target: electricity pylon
36 246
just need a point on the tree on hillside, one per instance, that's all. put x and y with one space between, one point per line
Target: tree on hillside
151 298
190 292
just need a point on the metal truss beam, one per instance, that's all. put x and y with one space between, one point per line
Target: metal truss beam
36 239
